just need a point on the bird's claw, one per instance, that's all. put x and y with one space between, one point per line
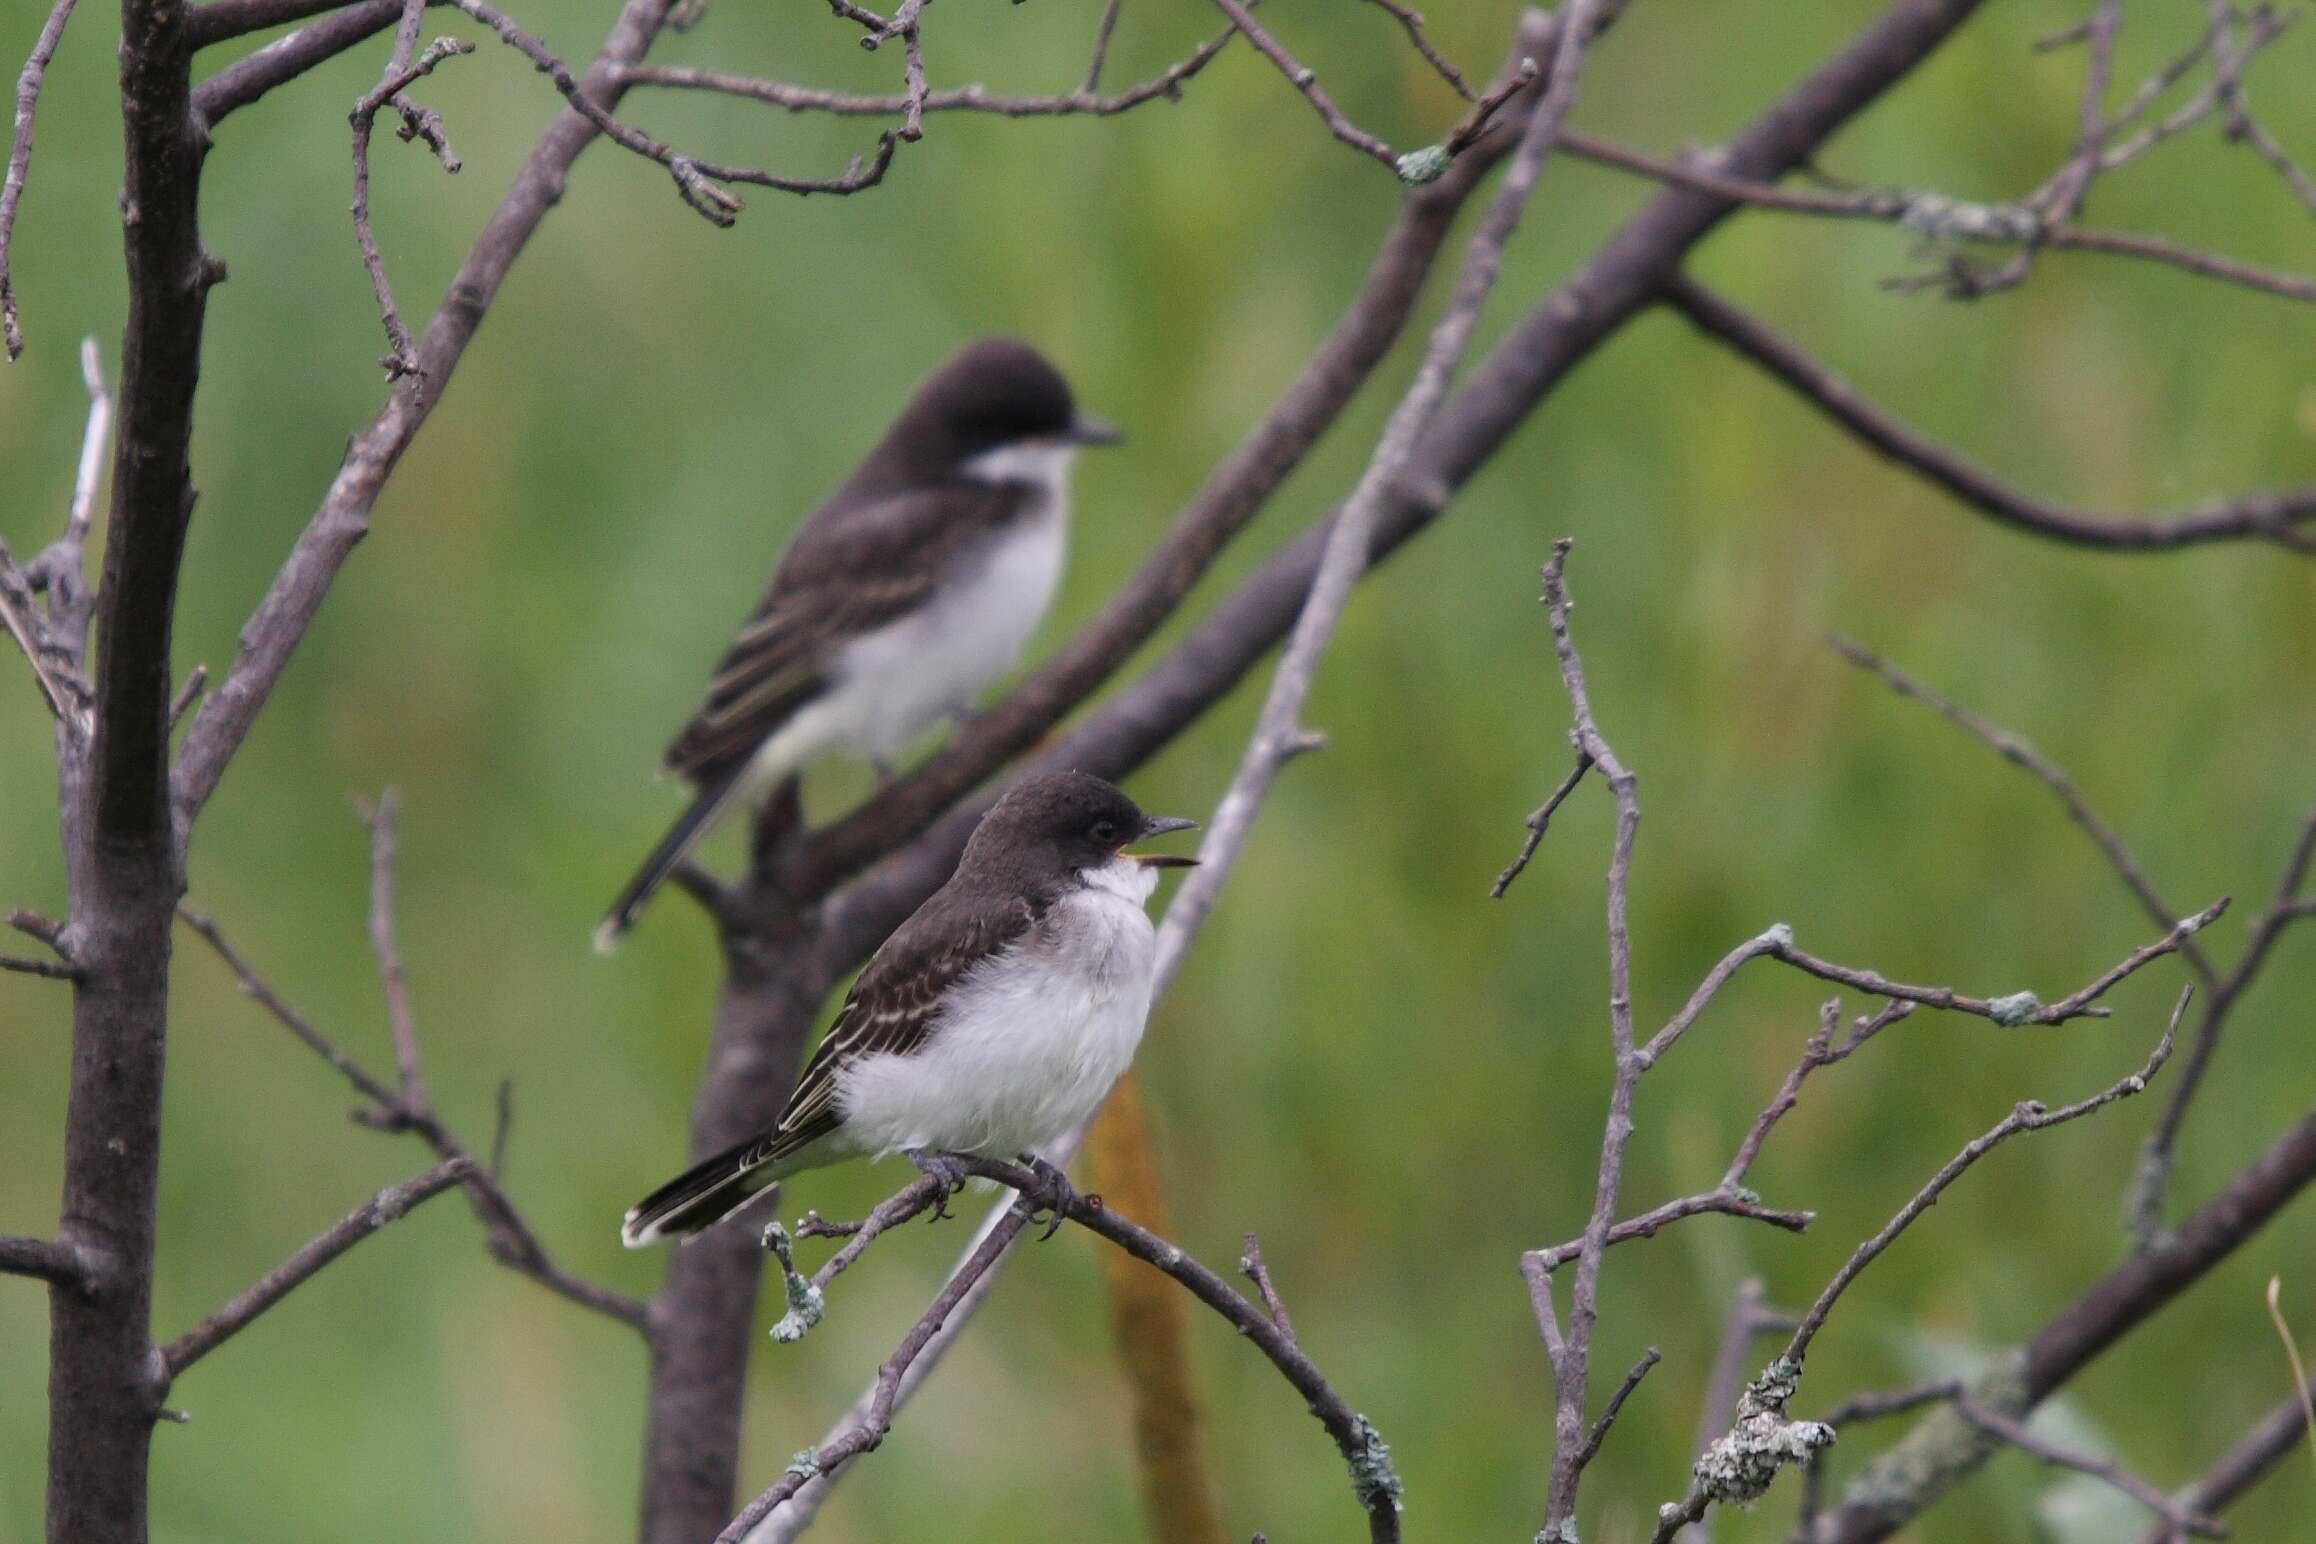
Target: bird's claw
1055 1194
942 1168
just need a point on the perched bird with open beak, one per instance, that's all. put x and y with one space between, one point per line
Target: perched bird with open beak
993 1021
899 601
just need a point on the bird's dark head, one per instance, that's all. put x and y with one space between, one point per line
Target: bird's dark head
994 396
1070 823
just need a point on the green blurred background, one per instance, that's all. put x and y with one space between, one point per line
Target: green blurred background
1396 1081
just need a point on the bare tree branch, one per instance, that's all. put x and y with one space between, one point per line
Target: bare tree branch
286 58
2279 517
1374 1482
2270 1439
1251 1265
42 1259
388 1205
1996 1424
1740 1466
1897 1486
221 21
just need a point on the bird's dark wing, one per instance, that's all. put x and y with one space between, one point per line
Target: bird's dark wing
855 567
893 1005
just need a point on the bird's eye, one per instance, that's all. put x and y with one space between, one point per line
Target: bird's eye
1106 832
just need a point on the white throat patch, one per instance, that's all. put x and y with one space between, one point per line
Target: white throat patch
1124 878
1040 463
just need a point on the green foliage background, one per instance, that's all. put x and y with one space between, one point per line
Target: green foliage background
1396 1081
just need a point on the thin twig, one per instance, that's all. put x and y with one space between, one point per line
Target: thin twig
401 70
1537 823
1937 215
510 1237
20 162
698 182
2228 61
1996 1424
399 1017
2029 1115
1251 1266
259 990
2144 1210
196 682
1723 1202
1571 1365
2019 752
386 1206
1411 21
1084 102
1608 1414
2019 1008
1306 80
1101 50
2277 517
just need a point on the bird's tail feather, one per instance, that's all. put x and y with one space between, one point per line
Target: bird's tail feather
708 1192
681 837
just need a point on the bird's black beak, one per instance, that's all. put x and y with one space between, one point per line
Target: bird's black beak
1159 825
1086 429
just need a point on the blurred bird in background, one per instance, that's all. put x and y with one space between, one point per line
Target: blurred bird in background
903 597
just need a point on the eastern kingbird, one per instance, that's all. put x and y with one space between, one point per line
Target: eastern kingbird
991 1023
908 592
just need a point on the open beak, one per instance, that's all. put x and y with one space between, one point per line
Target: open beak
1085 429
1159 825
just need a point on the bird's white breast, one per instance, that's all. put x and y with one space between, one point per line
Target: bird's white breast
1030 1042
900 681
